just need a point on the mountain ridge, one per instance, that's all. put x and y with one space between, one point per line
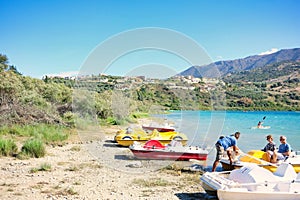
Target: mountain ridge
223 68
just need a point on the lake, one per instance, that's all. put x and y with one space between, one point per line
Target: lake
203 128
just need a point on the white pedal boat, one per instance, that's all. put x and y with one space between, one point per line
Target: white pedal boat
253 182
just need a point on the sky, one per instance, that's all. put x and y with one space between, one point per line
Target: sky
52 37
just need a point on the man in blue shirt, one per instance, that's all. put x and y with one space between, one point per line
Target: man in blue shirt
224 144
284 149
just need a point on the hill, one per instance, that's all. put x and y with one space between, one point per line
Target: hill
278 72
227 67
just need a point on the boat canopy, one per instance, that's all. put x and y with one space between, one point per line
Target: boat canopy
252 173
153 144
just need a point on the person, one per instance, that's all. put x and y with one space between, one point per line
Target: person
284 149
259 125
225 144
270 148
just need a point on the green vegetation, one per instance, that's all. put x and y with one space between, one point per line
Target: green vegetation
47 110
34 148
8 147
272 87
50 134
43 167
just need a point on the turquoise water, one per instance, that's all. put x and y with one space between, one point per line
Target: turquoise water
204 127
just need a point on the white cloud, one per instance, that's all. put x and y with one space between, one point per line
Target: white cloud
220 57
273 50
64 74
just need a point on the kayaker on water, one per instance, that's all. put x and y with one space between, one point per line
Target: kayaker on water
259 125
224 144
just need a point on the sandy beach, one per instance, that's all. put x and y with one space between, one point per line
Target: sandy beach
92 166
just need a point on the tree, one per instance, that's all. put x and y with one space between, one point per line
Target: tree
13 69
245 102
3 63
5 67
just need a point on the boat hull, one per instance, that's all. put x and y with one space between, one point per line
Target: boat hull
245 195
253 182
167 155
258 158
128 142
126 139
262 127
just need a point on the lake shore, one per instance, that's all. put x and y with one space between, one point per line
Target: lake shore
79 171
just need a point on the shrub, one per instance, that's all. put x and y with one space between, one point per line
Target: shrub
34 148
138 115
115 121
7 147
69 118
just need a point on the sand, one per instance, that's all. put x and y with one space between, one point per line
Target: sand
92 166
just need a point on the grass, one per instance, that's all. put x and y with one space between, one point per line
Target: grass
48 133
34 148
76 183
83 166
44 167
140 115
191 179
173 169
75 148
73 169
71 191
35 137
67 191
63 163
151 182
8 147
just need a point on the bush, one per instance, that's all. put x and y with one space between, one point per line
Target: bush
69 118
34 148
7 147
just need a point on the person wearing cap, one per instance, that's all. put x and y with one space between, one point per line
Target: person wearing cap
225 144
284 149
270 148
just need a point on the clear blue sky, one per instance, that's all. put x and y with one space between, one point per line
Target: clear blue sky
55 36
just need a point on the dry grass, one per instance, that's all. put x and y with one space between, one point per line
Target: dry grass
75 148
152 182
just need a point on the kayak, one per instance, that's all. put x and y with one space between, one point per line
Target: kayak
262 127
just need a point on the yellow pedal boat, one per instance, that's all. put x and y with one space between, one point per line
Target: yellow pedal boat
125 138
260 158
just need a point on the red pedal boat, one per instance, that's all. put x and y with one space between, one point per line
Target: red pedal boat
153 149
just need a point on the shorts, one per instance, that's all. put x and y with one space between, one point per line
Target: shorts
220 151
280 156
